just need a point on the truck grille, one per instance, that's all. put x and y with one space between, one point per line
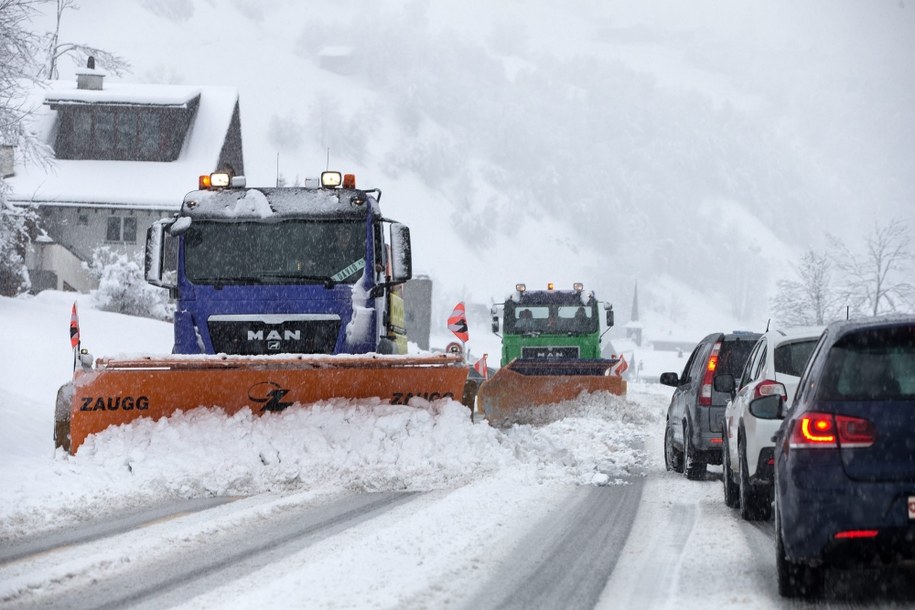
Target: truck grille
547 353
274 334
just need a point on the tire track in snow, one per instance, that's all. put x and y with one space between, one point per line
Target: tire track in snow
650 566
45 543
190 572
566 560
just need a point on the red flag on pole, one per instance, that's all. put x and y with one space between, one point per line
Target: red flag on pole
480 367
457 322
620 367
74 327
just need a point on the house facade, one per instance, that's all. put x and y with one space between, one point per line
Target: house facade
124 156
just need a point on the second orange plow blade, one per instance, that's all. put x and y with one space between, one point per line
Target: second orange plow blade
521 386
120 391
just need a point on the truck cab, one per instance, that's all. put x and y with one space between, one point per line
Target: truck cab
301 270
550 324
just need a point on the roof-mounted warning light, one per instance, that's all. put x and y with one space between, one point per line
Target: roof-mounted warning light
520 287
220 180
349 181
578 286
549 285
331 180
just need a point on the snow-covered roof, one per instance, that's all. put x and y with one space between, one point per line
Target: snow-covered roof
62 92
137 184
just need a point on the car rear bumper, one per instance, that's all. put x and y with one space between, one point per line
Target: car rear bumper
811 520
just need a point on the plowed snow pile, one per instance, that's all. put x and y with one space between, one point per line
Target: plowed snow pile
356 445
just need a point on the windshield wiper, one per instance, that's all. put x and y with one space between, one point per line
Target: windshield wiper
220 281
327 281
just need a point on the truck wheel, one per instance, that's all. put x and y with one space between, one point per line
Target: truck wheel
386 346
62 417
693 465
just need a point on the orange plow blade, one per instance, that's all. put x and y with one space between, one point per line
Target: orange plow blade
118 391
521 386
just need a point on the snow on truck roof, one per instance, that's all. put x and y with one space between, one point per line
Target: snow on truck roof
278 203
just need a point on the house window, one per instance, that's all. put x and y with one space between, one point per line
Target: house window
121 229
123 132
82 218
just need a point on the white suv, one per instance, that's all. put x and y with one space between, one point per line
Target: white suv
774 367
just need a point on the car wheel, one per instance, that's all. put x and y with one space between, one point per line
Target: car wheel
731 491
795 579
754 506
693 465
673 459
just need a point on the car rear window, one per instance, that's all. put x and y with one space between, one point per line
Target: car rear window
791 358
872 364
733 356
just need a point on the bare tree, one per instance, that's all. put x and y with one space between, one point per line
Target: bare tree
78 51
18 48
811 299
876 281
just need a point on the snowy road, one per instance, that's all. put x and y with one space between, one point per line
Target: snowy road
654 542
352 505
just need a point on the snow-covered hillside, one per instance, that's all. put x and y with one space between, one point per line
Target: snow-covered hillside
690 147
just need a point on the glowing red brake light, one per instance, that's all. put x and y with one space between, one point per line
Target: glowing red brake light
850 534
824 430
814 430
705 390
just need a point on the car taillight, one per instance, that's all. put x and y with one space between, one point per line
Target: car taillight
705 390
828 431
768 387
851 534
855 431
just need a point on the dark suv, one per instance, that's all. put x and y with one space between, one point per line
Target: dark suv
845 455
692 437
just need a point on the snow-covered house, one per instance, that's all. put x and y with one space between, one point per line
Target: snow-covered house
124 155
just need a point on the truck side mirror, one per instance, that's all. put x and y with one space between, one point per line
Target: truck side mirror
609 309
155 254
401 254
495 320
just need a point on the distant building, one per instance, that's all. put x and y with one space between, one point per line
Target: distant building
634 326
124 156
337 59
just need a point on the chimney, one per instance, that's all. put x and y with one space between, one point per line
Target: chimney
89 77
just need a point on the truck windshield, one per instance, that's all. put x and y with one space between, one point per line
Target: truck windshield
551 319
294 251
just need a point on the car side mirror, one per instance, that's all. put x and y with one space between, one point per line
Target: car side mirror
724 383
768 407
670 379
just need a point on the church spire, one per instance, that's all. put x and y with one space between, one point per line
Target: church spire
635 303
